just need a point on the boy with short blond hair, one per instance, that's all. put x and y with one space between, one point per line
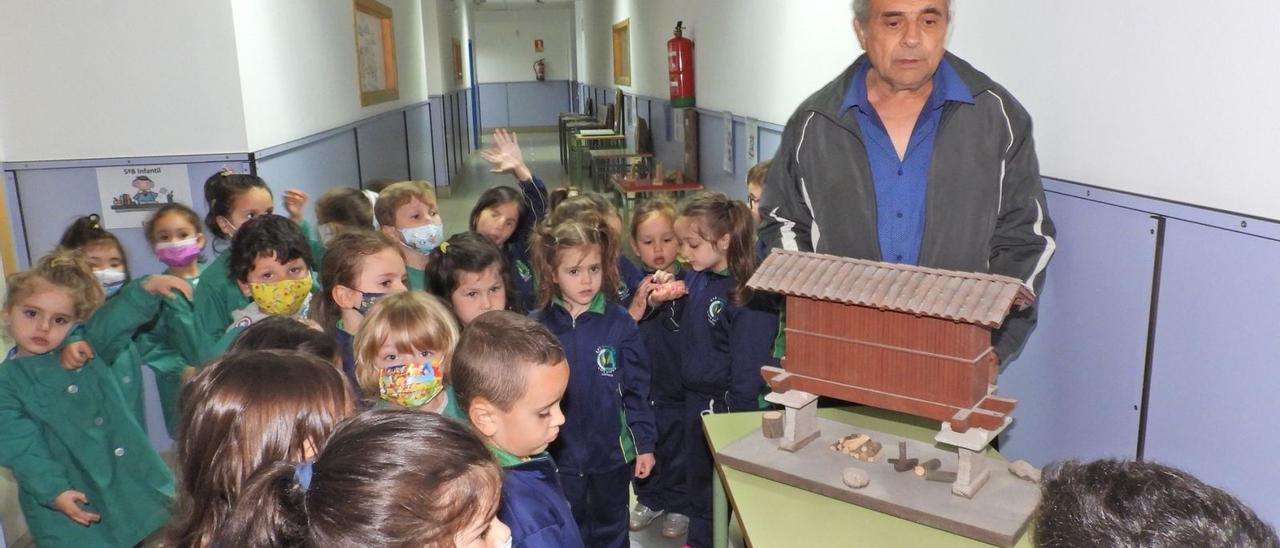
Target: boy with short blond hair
509 374
407 212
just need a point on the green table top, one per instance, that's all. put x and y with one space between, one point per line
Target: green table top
776 514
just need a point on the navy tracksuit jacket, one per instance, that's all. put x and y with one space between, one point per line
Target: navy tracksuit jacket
608 420
516 250
723 346
534 506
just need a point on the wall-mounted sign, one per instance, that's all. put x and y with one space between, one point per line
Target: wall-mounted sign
537 45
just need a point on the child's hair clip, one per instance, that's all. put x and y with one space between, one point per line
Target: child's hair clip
226 171
444 248
93 218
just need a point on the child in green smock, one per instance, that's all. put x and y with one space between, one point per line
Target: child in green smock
268 261
86 471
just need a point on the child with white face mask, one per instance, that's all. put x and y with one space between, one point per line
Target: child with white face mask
407 212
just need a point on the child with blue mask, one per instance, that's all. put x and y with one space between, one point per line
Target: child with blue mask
407 212
106 257
402 351
359 268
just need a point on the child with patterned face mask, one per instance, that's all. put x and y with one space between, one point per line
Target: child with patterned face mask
402 354
268 262
407 212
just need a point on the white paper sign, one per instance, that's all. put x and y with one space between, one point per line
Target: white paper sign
728 142
631 113
753 142
129 194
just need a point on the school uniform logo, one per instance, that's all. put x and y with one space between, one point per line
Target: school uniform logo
714 310
606 360
522 270
623 291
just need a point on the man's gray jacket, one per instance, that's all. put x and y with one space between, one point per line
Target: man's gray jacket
984 207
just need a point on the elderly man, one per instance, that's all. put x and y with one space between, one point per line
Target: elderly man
913 156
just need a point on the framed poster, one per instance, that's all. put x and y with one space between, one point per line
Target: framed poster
375 53
622 52
457 60
129 194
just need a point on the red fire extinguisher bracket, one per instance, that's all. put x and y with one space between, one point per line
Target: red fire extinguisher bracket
680 69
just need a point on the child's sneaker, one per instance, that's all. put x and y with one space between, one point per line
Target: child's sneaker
675 525
642 516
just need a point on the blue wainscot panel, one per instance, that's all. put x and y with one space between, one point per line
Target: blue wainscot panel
421 153
1215 386
1078 381
493 106
52 198
382 150
313 168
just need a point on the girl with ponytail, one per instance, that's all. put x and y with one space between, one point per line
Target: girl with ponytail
725 337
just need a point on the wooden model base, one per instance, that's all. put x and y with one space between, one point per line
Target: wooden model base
998 512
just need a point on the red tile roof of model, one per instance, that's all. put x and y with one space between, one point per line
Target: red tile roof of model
982 299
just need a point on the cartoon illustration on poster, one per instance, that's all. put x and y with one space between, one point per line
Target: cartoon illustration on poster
129 194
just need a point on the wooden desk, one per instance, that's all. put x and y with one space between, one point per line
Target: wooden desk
776 514
584 142
630 189
569 126
607 162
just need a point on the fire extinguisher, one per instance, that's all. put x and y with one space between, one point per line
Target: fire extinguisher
680 68
540 69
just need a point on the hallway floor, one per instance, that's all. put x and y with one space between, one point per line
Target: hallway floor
542 155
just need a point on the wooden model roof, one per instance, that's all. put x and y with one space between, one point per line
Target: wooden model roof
981 299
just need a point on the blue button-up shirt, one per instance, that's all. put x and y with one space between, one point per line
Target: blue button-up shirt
900 183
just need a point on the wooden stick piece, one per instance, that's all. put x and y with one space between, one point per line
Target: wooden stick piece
940 476
903 465
927 466
771 424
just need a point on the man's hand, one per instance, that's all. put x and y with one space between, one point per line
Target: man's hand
294 200
69 503
76 354
505 155
164 285
644 465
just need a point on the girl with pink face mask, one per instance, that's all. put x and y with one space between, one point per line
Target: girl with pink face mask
169 347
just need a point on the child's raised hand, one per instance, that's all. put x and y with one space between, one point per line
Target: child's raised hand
164 285
505 155
69 501
644 465
76 354
294 201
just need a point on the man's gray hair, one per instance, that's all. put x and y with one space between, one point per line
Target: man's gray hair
862 10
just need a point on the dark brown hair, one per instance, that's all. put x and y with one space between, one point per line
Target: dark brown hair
494 355
466 252
86 231
175 208
586 229
713 215
342 264
244 411
220 192
389 477
495 197
286 333
266 236
1126 503
346 206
